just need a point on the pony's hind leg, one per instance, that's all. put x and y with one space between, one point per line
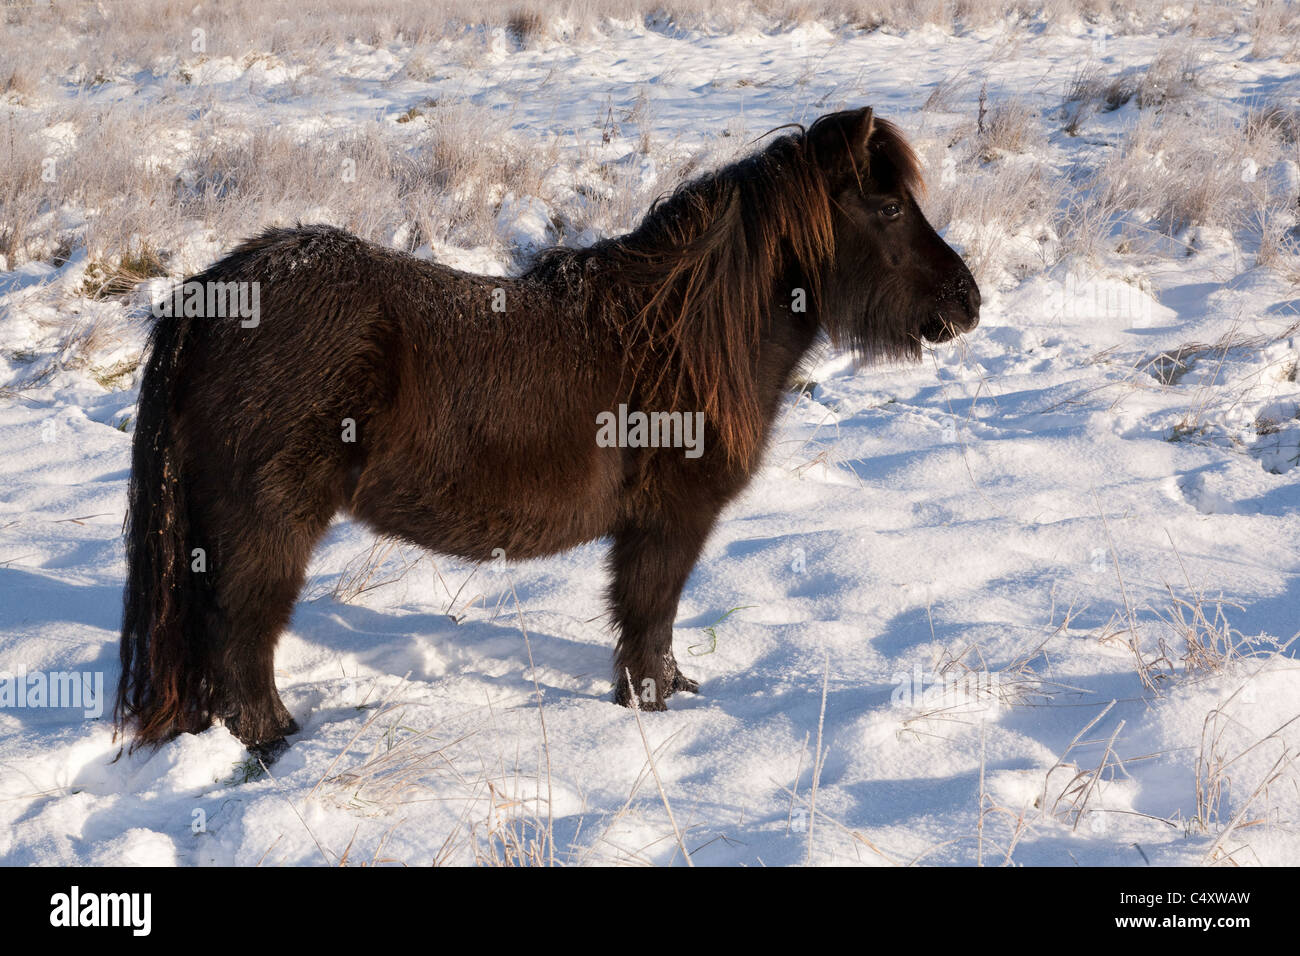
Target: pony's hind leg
244 672
258 581
650 568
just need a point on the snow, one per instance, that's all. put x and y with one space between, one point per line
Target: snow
972 516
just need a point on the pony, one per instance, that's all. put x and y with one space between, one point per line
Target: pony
471 415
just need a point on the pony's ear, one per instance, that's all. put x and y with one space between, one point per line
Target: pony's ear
840 142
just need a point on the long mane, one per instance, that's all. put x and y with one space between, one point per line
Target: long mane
690 287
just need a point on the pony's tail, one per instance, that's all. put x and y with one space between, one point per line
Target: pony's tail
163 689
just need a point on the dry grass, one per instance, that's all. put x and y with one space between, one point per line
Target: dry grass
1182 171
121 277
1071 801
526 25
439 175
507 808
103 43
1090 89
407 17
944 95
1217 766
1201 633
969 688
73 345
1274 26
373 569
400 766
989 208
1009 126
1080 95
438 178
24 161
1193 636
1215 397
1172 77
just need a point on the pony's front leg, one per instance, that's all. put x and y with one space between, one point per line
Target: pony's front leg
650 568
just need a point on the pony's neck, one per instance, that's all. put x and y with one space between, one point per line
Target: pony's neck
790 328
738 375
709 300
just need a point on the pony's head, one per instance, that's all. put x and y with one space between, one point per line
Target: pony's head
892 283
828 212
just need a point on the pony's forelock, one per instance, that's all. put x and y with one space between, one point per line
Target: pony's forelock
890 149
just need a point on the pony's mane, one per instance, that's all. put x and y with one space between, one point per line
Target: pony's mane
692 282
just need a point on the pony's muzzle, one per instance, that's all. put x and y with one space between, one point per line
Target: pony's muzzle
972 305
956 315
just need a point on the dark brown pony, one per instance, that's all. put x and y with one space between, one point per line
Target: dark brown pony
460 412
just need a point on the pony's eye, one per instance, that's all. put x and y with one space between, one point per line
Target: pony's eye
891 210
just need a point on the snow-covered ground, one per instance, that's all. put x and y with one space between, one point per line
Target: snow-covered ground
1031 597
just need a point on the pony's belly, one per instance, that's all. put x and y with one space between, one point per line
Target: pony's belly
495 507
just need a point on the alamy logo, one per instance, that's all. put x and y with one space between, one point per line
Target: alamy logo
651 430
927 690
1096 299
213 300
83 690
102 909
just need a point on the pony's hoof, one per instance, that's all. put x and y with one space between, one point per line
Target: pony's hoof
648 700
645 701
271 750
684 683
